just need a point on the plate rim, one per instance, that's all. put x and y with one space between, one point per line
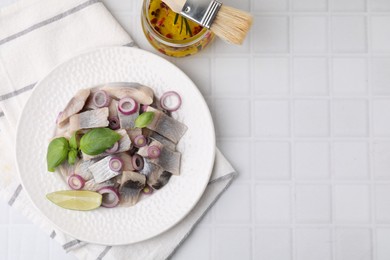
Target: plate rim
142 52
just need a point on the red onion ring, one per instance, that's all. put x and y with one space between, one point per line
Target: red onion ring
127 106
144 108
153 152
165 97
113 149
76 182
101 99
138 162
116 164
114 123
147 190
110 197
140 141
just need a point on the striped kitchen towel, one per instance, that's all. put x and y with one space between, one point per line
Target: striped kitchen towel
35 36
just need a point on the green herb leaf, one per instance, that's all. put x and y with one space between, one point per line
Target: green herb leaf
144 119
188 28
73 141
72 156
98 140
56 153
181 27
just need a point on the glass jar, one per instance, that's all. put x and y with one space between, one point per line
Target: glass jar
170 46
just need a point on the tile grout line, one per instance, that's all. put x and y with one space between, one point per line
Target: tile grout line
372 205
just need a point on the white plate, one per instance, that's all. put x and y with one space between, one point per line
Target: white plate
154 214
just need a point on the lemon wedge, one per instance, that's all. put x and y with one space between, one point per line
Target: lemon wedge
76 199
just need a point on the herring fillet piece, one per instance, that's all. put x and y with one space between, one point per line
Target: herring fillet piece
168 160
143 151
150 168
89 119
101 170
124 142
74 105
133 133
113 108
127 121
81 169
159 179
142 94
92 185
131 185
127 164
166 126
155 136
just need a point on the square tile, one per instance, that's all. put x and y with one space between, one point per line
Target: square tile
4 242
31 239
271 76
382 243
380 31
233 243
381 115
265 5
309 34
4 209
200 238
312 203
242 5
200 75
348 5
272 244
310 5
239 155
231 121
312 160
272 203
272 160
234 82
351 204
381 160
349 34
270 34
380 5
272 118
350 160
349 76
380 76
350 118
313 243
220 46
382 203
234 206
310 76
353 243
311 118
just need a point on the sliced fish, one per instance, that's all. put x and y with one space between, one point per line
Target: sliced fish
81 168
74 106
113 108
150 168
155 136
142 94
127 164
127 121
89 119
131 185
159 179
124 142
92 185
168 160
166 126
101 170
133 133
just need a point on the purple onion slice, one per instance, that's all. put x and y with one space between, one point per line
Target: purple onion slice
127 106
101 99
113 149
140 141
144 108
110 197
153 152
116 164
170 101
138 162
76 182
147 190
114 123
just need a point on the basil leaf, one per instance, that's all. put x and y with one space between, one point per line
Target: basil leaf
72 156
56 153
144 119
73 141
98 140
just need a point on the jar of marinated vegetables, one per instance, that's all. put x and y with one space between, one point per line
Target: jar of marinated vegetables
170 33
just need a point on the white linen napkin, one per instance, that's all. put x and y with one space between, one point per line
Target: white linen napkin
35 36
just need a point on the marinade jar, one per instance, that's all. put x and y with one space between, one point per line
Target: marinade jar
170 33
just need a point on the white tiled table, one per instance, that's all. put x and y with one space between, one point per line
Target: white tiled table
302 110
